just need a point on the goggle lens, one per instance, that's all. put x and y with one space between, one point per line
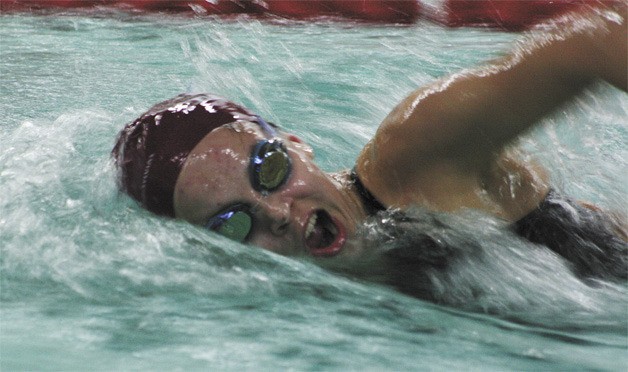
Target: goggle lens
273 170
234 224
270 165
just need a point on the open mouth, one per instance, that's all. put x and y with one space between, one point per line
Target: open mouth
324 236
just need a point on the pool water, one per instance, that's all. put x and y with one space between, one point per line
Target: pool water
90 281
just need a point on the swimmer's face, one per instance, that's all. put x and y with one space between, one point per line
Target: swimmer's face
311 213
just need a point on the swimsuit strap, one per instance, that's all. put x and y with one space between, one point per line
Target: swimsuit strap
371 204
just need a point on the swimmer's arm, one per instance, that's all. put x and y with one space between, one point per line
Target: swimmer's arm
469 117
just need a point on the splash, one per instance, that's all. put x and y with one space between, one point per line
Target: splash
476 263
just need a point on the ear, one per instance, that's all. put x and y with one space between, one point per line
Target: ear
293 138
299 144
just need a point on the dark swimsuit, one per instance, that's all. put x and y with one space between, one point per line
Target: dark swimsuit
369 202
583 236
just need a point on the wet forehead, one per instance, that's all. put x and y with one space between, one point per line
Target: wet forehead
215 172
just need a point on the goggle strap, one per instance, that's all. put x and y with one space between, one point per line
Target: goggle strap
266 127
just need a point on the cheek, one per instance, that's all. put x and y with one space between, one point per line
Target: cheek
304 167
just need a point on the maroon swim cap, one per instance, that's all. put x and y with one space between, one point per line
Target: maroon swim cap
150 152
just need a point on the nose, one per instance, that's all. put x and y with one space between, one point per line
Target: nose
276 212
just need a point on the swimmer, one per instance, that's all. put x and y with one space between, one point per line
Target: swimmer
444 148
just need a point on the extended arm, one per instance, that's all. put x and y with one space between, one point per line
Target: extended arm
477 112
456 127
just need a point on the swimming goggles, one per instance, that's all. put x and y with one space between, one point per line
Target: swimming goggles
269 169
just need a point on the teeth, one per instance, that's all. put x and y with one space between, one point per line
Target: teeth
310 225
333 229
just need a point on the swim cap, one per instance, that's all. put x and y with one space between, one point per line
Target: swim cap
150 151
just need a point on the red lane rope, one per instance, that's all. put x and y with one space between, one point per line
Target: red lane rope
510 15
